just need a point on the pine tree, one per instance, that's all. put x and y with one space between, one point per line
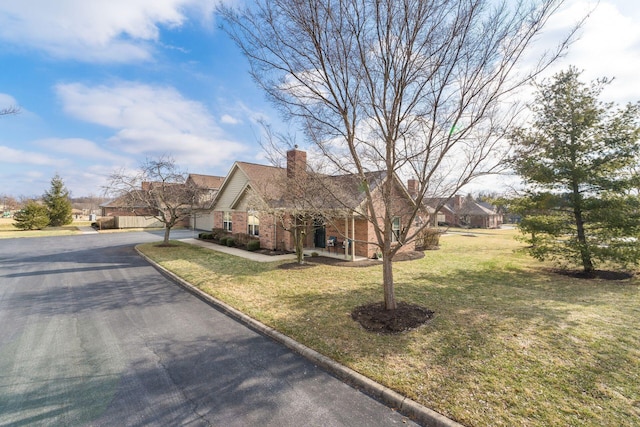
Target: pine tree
577 154
58 203
33 216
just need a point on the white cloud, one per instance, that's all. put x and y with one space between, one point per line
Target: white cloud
7 101
151 120
95 30
11 155
608 44
229 120
79 147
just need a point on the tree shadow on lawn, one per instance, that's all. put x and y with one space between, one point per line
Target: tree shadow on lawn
540 331
375 318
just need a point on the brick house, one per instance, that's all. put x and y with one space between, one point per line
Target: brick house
123 206
208 186
465 212
132 203
266 201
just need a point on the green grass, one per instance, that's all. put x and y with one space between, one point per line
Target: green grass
510 344
8 231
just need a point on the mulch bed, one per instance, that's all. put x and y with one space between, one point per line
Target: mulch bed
337 262
597 274
271 252
375 318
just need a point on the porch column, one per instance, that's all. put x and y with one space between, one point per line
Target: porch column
353 236
346 235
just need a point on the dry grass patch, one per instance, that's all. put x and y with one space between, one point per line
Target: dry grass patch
511 343
8 231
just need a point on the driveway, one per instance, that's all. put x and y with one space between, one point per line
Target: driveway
93 335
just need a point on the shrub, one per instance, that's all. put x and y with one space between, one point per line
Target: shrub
223 240
106 223
428 239
218 233
253 245
242 239
33 216
231 242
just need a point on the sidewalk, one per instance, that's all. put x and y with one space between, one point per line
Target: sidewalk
253 256
87 230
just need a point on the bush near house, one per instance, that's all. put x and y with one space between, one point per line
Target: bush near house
428 239
223 237
218 233
253 245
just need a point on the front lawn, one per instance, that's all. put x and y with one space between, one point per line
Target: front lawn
511 343
9 231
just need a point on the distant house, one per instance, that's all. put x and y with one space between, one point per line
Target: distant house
208 186
265 201
122 206
464 212
132 203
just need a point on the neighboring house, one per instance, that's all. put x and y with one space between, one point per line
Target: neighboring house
122 206
132 203
265 201
464 212
208 186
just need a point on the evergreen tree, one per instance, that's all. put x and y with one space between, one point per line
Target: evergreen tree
33 216
58 203
576 155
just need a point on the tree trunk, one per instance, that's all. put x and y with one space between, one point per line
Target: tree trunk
298 236
389 290
585 253
167 230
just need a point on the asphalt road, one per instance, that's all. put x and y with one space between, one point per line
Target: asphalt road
90 334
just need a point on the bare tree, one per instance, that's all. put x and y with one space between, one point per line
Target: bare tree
157 189
9 110
413 88
9 203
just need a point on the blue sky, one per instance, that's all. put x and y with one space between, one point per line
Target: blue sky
104 84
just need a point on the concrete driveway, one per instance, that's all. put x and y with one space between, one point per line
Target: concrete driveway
90 334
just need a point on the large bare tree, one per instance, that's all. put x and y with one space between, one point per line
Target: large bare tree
9 110
158 189
413 88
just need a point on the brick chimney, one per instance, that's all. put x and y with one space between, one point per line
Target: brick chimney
296 163
457 202
412 187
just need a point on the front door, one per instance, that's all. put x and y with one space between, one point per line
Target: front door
319 234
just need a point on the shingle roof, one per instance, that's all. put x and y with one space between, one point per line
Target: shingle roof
125 200
471 207
206 181
326 191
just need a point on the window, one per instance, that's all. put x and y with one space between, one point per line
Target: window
253 224
226 221
395 229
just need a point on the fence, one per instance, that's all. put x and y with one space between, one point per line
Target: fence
136 222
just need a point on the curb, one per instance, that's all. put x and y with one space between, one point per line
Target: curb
404 405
